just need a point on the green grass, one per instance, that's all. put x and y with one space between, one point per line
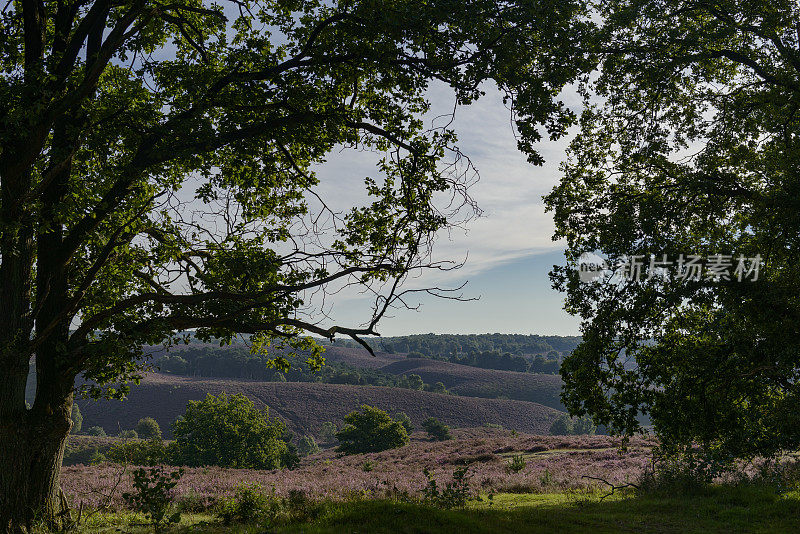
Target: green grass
721 509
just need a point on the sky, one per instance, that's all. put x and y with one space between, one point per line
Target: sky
508 250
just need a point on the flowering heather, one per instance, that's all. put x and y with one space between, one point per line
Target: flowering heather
553 463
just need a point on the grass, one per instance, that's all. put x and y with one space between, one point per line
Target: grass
721 509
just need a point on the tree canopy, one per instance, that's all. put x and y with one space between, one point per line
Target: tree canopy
688 146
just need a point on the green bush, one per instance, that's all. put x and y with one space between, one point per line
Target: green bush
436 430
405 420
96 431
517 463
565 425
77 420
148 428
562 426
229 431
328 432
370 430
128 434
153 496
307 445
249 505
414 382
455 494
140 452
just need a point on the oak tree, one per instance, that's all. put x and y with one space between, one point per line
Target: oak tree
157 176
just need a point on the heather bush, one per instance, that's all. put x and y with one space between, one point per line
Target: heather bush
455 494
229 431
153 495
148 428
370 430
436 430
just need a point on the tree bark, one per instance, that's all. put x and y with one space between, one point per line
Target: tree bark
31 451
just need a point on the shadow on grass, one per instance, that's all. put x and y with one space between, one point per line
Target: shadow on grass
728 509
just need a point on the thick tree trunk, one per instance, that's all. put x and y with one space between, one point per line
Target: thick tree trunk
30 464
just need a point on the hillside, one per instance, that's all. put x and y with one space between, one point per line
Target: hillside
462 379
305 406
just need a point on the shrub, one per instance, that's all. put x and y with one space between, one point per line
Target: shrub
328 432
415 355
150 452
96 431
562 426
414 382
153 496
517 463
405 420
229 431
77 420
439 387
129 434
455 494
583 425
370 430
307 446
436 430
249 505
148 428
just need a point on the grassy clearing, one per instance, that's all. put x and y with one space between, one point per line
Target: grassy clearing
721 509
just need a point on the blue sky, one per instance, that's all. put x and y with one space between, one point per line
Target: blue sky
508 250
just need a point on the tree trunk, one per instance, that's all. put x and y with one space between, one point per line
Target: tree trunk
31 451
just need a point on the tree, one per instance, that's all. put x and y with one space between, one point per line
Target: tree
370 430
148 428
562 426
439 387
128 434
415 382
436 430
77 420
228 431
327 433
583 426
156 176
96 431
307 445
712 360
405 420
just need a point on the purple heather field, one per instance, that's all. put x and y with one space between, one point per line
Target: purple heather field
554 463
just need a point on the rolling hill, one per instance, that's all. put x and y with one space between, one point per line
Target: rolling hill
461 379
305 406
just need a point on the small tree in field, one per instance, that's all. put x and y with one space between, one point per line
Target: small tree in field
148 428
371 430
77 420
228 431
436 430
